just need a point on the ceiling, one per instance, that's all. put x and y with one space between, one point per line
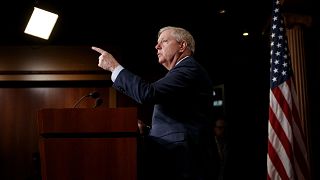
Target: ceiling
122 21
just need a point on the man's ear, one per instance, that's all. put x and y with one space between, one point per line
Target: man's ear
183 46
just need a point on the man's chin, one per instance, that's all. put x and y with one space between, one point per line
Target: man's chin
161 61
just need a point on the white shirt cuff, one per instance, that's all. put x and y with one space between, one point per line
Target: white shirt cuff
116 72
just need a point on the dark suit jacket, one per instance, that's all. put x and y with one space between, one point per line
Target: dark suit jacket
182 105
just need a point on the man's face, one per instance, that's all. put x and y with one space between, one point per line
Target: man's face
167 48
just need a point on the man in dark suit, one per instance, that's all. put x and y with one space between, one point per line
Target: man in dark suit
180 144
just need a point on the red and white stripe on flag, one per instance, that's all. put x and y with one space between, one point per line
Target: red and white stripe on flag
287 154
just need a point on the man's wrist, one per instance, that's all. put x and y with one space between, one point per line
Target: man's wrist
116 72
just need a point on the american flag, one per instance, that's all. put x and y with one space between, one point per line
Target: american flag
287 151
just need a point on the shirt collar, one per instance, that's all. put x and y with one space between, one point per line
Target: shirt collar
181 60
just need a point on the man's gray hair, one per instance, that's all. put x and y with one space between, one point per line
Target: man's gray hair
181 35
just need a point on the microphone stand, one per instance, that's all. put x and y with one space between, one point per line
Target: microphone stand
94 95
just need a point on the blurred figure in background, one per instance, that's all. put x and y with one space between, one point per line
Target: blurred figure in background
222 144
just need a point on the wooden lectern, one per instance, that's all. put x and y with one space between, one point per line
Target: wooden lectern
88 144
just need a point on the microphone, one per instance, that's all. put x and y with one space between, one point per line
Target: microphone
93 95
99 101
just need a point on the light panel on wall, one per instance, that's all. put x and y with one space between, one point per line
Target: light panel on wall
41 23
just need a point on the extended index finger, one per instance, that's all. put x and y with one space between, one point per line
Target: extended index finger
99 50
